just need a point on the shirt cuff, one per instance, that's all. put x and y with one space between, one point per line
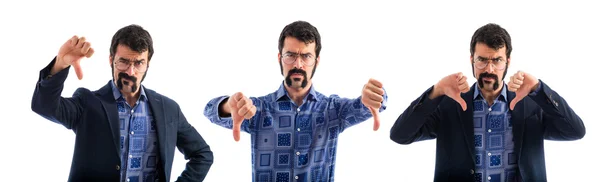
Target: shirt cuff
537 90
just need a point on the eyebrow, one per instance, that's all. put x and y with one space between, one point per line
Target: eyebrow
485 59
128 60
289 52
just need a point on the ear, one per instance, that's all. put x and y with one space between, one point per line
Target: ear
279 57
507 62
318 61
471 59
110 60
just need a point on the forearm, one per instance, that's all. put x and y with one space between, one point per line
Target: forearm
212 112
47 100
562 123
418 121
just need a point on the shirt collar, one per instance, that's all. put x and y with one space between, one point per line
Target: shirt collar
117 94
282 93
501 97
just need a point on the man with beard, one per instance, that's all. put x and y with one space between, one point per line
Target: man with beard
294 130
124 131
492 131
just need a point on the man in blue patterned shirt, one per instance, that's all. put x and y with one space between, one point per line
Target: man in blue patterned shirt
124 131
294 130
493 131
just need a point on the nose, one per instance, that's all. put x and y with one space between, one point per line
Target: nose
130 70
298 63
489 67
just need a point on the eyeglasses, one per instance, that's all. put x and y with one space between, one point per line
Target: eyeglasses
497 63
307 59
123 65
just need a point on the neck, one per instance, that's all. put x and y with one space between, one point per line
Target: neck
490 96
298 94
131 98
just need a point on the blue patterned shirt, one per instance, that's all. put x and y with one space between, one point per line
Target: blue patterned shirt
295 143
495 158
139 149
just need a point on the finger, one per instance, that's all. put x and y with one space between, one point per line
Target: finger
80 42
521 75
243 111
375 89
78 70
73 41
463 88
514 102
236 130
250 113
376 83
89 53
374 97
459 76
241 103
511 88
518 81
238 96
514 87
372 103
86 47
376 122
462 80
460 101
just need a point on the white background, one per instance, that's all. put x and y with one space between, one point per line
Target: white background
204 50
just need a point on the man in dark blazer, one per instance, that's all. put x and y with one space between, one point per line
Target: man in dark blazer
490 131
124 131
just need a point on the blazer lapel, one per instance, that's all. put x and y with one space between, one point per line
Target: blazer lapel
110 108
466 118
156 105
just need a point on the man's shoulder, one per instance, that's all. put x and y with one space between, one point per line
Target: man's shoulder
152 94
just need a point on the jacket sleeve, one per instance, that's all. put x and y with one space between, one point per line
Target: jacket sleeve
48 102
560 121
194 149
419 121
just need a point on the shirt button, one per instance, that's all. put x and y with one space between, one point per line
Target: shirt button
132 111
298 109
489 130
489 154
130 156
127 179
298 129
132 132
295 177
490 109
118 167
489 178
297 153
472 172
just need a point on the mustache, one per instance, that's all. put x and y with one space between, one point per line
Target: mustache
288 78
126 76
488 75
296 70
133 83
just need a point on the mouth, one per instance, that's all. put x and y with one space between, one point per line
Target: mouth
297 76
488 80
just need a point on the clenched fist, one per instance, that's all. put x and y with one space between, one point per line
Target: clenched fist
522 84
372 96
451 86
70 53
241 108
